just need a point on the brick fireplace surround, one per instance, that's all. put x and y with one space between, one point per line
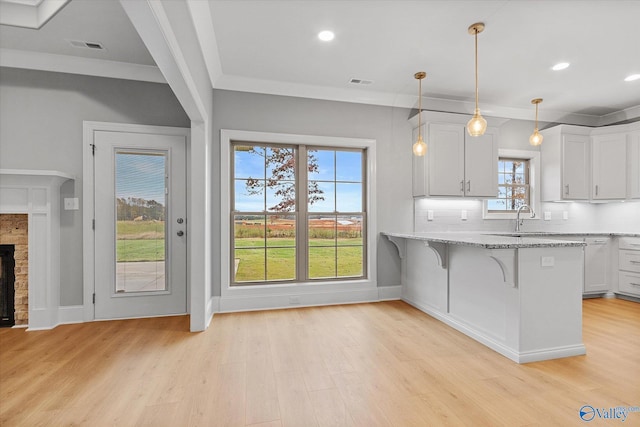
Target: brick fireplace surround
14 231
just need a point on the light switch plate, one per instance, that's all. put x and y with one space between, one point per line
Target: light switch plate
547 216
565 215
463 215
71 204
430 215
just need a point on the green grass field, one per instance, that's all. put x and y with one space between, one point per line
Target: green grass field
139 241
144 241
281 257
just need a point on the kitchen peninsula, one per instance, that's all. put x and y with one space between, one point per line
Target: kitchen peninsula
520 296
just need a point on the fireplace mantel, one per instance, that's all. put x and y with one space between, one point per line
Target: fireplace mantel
37 194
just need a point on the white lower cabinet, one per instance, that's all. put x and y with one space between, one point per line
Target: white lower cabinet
629 266
596 265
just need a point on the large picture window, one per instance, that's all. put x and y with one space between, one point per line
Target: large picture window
298 213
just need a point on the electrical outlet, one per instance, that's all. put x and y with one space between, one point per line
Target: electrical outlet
463 215
430 215
565 215
547 216
71 204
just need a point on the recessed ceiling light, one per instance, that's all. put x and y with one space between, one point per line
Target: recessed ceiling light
632 77
560 66
326 36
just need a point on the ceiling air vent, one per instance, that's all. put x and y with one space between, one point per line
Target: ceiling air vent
360 82
86 45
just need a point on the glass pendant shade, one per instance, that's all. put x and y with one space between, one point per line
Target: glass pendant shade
477 125
420 147
536 138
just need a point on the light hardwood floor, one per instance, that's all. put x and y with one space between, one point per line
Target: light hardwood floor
358 365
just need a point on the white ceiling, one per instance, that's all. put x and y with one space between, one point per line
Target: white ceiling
271 47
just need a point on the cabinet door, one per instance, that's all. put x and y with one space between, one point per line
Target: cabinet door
481 165
575 167
634 165
446 159
419 167
596 264
609 166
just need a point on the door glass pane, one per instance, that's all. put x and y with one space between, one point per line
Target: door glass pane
140 221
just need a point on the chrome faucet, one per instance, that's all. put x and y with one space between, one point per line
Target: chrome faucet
518 220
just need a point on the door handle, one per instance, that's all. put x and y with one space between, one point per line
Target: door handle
180 233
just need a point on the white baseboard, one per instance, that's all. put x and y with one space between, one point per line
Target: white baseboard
387 293
70 314
508 352
213 306
270 302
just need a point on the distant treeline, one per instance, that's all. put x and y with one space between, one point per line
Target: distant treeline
133 208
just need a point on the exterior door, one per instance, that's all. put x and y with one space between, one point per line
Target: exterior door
140 224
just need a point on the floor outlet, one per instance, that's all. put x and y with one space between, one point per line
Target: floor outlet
294 300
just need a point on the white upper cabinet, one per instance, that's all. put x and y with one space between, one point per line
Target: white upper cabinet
565 163
456 164
594 164
633 165
609 163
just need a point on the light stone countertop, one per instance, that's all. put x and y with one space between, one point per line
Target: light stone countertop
486 240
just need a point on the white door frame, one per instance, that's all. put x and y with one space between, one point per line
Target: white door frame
88 208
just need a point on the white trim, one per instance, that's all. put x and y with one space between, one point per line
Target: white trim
272 302
88 208
29 13
70 314
389 293
78 65
510 353
534 185
203 23
273 294
272 87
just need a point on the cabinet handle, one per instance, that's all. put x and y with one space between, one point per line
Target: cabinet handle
634 284
634 262
596 189
462 186
634 244
566 189
469 186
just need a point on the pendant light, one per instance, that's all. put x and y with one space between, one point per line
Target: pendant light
477 125
420 147
536 138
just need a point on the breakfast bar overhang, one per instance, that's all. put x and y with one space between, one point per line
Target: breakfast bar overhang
520 296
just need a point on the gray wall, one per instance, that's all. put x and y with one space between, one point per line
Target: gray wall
387 125
41 115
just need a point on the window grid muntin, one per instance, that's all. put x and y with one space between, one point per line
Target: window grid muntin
509 187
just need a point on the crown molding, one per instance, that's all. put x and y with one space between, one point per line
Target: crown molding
79 65
29 14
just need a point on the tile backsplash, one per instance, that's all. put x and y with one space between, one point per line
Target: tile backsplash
581 217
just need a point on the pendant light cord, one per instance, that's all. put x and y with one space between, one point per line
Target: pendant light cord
419 108
537 116
476 43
